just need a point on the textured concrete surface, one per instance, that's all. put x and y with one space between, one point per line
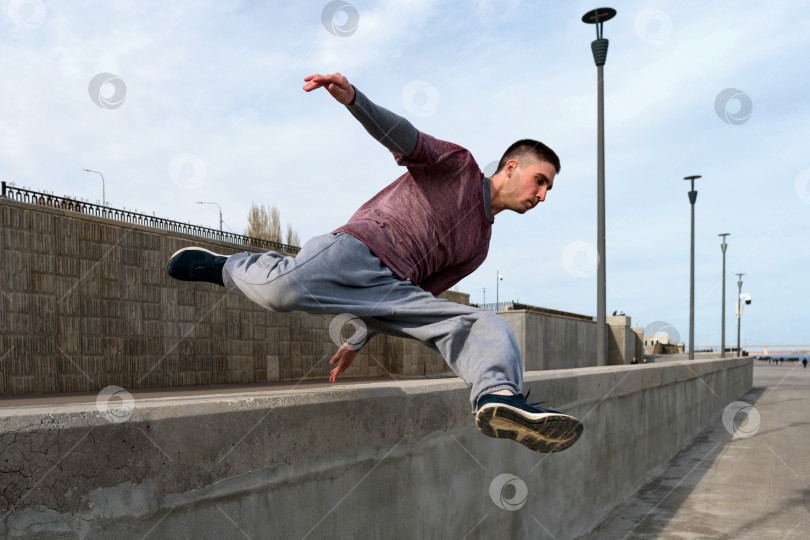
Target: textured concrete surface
85 302
400 459
552 342
726 486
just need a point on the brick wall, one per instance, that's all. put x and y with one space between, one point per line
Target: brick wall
86 302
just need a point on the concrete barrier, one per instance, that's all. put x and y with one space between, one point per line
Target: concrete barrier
85 302
377 460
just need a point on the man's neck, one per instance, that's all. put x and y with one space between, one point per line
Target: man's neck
495 203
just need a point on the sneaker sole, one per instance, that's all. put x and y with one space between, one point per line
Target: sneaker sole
540 432
179 251
198 248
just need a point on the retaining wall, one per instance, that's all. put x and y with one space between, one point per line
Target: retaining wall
85 302
380 460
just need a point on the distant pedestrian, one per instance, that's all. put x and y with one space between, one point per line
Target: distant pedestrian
804 363
644 360
634 361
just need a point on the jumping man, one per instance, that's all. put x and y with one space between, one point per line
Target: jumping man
413 240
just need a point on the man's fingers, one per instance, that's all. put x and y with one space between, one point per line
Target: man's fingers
316 81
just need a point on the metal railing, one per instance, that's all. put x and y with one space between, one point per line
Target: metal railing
497 306
66 203
513 305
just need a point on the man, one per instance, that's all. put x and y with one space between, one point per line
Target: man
413 240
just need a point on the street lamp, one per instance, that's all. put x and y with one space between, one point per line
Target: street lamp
220 214
739 310
599 48
723 310
103 187
498 279
692 199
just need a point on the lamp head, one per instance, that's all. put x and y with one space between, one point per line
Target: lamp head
599 15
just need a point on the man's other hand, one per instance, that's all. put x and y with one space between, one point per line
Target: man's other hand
336 84
343 358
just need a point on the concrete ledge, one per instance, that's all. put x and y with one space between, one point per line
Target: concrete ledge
400 459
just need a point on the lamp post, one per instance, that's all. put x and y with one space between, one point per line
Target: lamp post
599 48
103 187
739 310
692 199
498 278
723 308
220 215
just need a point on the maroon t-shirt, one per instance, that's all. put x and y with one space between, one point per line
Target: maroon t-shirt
430 225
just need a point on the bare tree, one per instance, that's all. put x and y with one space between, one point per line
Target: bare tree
265 224
257 222
292 237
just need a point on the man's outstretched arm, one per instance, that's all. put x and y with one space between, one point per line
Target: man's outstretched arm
391 130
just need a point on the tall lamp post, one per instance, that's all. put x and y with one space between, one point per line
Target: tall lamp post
103 187
599 47
692 199
498 279
220 214
739 310
723 309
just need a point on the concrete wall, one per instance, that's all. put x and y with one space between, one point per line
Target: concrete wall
85 302
624 342
380 460
552 342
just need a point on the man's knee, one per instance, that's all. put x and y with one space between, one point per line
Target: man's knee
282 295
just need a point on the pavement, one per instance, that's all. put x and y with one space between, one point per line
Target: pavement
754 484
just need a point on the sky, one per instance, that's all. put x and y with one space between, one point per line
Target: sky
187 101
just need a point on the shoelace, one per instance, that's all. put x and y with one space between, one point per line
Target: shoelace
526 397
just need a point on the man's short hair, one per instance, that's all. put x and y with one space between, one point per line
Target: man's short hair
529 149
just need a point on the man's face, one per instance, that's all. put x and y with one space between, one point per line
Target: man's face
528 185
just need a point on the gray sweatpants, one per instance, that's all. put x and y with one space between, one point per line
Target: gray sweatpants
338 274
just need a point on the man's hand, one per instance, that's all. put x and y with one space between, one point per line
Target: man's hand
336 84
344 358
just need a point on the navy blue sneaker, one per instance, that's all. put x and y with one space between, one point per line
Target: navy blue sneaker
197 264
536 428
